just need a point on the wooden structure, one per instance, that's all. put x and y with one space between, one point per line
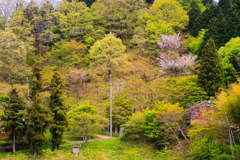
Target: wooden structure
200 113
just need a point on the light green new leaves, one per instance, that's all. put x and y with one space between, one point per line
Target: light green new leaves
108 53
71 17
12 52
170 12
230 58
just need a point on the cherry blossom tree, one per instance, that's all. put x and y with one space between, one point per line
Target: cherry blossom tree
170 60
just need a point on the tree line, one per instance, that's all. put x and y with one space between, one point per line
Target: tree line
164 56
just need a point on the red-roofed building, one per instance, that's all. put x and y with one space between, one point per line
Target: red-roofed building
200 113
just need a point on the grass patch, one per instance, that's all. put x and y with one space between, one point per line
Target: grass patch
111 149
108 134
70 135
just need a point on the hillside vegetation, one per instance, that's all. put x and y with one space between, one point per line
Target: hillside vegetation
163 57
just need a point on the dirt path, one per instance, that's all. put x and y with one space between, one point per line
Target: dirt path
102 136
99 137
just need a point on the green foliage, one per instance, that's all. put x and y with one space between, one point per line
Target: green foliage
221 21
229 55
229 102
70 53
133 127
3 98
58 110
210 75
151 126
49 18
170 12
166 154
195 44
118 17
206 149
38 115
209 139
14 114
193 13
121 112
155 27
71 16
49 154
13 56
85 120
185 91
162 17
107 54
203 20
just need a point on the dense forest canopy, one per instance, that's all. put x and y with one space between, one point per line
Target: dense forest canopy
164 56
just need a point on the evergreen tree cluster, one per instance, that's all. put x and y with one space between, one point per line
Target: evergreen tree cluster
221 20
31 121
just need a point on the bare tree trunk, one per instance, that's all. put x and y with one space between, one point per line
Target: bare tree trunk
35 154
175 135
14 142
230 139
183 134
86 138
116 129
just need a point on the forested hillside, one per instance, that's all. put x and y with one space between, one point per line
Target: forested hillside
163 57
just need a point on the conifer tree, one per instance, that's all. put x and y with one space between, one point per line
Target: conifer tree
193 13
58 110
203 20
38 118
211 76
14 116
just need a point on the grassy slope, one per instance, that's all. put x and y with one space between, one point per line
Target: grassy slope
111 149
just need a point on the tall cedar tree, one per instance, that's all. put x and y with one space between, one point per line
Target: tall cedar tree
203 20
221 21
211 76
14 116
58 110
193 13
38 118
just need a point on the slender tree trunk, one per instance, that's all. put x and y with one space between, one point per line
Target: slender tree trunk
35 154
183 134
175 135
230 139
14 142
86 138
116 129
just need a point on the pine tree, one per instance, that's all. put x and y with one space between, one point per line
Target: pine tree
210 76
193 13
58 110
14 117
38 118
